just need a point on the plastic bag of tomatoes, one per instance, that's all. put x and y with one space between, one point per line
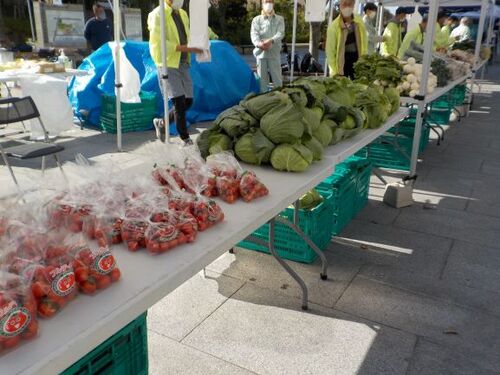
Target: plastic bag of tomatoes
206 212
228 171
251 187
53 281
18 311
198 177
135 223
95 269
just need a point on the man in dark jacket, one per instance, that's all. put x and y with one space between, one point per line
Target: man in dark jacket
98 29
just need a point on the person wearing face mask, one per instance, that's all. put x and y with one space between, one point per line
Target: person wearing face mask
462 33
451 24
180 86
346 41
369 19
441 39
267 33
393 34
98 30
416 35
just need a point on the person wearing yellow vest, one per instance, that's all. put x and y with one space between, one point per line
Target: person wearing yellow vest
180 86
346 41
415 35
393 34
441 40
451 23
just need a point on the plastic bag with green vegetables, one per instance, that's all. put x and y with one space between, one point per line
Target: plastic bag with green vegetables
310 200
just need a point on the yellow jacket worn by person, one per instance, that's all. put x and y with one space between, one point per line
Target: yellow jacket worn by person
441 38
392 39
335 43
171 34
416 35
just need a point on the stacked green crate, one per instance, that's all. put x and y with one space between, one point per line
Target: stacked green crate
134 116
125 353
315 223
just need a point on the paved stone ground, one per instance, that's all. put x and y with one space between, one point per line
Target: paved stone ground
415 292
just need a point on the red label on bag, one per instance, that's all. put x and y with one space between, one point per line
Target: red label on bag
104 263
63 281
14 321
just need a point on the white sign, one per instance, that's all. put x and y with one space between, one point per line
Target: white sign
315 10
65 27
133 26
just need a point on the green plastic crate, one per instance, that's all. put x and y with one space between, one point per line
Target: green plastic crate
456 96
315 223
134 116
362 188
383 154
146 106
439 112
125 353
344 206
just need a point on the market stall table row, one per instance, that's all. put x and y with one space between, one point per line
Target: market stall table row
90 320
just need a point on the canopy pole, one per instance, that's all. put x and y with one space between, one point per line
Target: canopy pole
294 38
118 84
426 67
164 72
480 31
380 22
330 19
30 15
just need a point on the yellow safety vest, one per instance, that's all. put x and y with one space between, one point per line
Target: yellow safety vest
172 36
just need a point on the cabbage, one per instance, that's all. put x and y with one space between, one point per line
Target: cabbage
315 147
324 132
203 141
235 121
291 157
219 143
259 105
338 135
312 117
283 124
254 148
349 123
297 95
245 151
392 94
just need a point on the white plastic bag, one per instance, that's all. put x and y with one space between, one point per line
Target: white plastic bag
51 99
129 77
198 36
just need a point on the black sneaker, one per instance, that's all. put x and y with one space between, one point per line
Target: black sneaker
160 129
188 142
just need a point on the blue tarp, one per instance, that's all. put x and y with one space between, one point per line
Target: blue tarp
217 85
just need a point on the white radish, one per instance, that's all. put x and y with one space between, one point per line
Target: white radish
412 61
411 78
408 69
413 93
415 86
406 85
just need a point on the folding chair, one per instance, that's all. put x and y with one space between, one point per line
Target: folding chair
14 110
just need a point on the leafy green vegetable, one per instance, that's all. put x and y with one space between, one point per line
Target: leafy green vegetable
441 71
203 141
312 117
263 146
297 95
394 98
370 68
259 105
283 124
235 121
338 135
315 147
310 200
219 143
291 157
324 132
334 110
349 123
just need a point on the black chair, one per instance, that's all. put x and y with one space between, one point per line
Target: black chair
14 110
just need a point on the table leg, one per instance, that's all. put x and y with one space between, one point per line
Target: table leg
285 265
296 229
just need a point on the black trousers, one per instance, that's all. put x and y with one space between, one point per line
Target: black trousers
181 106
350 59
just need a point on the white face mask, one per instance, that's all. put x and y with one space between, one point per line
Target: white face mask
177 4
268 7
347 12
